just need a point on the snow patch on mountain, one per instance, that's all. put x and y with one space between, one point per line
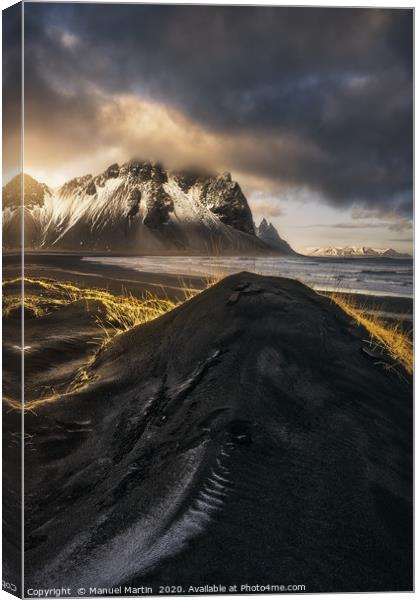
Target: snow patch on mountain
349 251
137 207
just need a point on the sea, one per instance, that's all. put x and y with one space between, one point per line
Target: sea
372 276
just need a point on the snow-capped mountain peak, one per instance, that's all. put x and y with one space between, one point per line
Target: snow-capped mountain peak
135 207
356 251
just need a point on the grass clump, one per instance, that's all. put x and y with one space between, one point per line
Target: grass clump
119 313
387 337
115 315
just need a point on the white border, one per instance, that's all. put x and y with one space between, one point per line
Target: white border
321 3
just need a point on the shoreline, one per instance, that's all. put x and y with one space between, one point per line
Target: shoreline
122 279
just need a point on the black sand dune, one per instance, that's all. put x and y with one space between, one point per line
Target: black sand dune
243 437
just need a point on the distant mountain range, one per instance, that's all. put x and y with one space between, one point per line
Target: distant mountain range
138 207
356 251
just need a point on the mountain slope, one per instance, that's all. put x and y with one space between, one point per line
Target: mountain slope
357 251
270 236
135 207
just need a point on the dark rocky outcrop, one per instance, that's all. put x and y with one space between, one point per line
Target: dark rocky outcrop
134 202
224 198
79 184
187 178
159 205
113 170
91 189
269 235
35 192
144 171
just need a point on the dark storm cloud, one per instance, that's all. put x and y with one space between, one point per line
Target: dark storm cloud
333 84
12 88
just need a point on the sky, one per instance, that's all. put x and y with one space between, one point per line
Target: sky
310 109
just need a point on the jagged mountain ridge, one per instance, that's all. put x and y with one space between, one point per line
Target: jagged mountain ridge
349 251
134 207
269 234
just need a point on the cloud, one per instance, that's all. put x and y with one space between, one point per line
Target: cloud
391 222
391 218
267 209
115 127
12 91
401 225
256 90
344 226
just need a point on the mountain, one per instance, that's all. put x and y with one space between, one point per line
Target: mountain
136 207
270 236
357 251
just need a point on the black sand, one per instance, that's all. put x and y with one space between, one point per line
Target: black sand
71 267
243 437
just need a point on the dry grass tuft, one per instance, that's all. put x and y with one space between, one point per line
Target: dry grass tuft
44 295
119 314
387 337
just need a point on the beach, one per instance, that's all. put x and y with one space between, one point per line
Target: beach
167 414
95 271
249 408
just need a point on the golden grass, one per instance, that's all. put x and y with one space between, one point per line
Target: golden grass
387 337
31 405
121 313
124 310
118 315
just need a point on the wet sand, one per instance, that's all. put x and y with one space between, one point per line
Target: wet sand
71 267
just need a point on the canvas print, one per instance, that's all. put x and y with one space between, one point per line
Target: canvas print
207 299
